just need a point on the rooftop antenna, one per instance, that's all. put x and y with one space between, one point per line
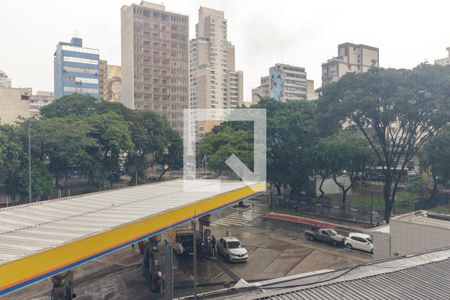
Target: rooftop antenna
75 33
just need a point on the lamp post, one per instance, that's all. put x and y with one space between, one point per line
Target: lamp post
371 212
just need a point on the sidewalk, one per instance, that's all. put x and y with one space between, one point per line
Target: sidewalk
313 221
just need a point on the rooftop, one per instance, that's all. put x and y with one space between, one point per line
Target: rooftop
427 218
41 238
421 276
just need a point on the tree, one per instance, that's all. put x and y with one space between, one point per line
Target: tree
397 111
14 170
60 143
73 105
436 157
113 137
154 143
342 154
219 145
291 130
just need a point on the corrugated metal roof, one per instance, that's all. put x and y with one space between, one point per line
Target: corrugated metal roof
26 229
413 277
428 281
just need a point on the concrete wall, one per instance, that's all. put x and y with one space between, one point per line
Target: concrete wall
12 107
382 242
407 238
402 237
330 187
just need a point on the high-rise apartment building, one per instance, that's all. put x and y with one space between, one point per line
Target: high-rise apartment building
352 58
444 61
214 81
284 83
155 60
76 69
287 82
262 91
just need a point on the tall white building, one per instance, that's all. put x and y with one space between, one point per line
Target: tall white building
444 61
352 58
285 83
214 81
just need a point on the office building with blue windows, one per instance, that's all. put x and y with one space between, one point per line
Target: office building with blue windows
76 69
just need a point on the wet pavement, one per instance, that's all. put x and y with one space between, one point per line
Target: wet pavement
276 249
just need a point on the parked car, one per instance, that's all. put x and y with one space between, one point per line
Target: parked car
412 173
326 235
359 241
232 249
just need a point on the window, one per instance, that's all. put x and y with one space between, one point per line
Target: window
358 239
233 245
81 60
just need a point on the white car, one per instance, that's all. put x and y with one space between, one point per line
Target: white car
232 249
359 241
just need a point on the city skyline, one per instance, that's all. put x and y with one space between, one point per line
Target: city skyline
305 37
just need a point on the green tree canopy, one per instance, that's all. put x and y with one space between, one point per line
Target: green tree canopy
341 154
218 146
436 157
397 111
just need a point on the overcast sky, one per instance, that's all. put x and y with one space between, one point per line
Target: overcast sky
264 32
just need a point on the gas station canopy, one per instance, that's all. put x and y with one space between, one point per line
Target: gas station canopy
41 239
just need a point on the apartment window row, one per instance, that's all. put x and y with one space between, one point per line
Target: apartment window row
81 79
79 49
80 70
80 90
80 60
295 75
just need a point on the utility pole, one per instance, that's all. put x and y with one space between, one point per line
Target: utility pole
194 242
169 275
29 162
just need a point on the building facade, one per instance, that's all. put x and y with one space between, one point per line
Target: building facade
352 58
102 76
15 104
110 82
155 61
39 100
284 83
214 81
411 233
5 82
76 69
262 91
287 82
444 61
311 93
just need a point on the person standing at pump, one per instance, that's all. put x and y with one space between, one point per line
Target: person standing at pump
213 246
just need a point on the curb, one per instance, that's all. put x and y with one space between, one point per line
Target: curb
309 221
